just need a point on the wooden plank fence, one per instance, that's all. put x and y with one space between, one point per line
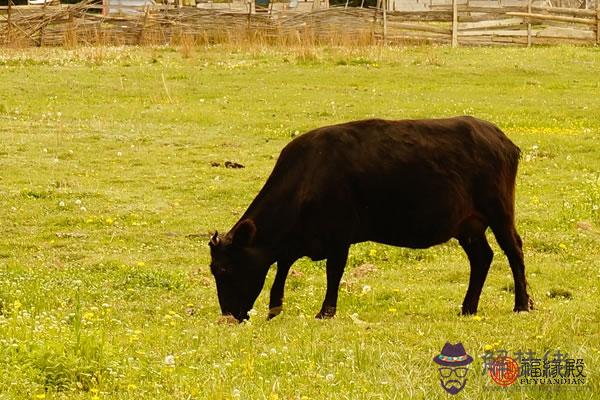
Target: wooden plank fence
455 24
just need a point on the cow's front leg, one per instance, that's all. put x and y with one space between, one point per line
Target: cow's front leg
335 269
276 298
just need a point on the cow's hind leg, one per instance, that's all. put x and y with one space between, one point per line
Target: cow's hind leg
336 263
276 298
480 257
510 242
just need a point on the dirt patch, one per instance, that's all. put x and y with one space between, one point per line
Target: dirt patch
363 270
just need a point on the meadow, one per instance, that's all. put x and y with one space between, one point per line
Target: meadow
112 174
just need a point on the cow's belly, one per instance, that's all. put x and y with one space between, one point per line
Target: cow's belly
413 237
423 227
412 241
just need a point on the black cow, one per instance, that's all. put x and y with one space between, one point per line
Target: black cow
409 183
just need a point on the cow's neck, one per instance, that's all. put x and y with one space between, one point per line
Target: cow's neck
274 226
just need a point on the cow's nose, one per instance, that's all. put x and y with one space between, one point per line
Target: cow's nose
243 316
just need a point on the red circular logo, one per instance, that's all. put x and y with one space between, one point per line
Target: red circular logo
504 371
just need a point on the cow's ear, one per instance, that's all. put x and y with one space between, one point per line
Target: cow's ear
243 235
215 240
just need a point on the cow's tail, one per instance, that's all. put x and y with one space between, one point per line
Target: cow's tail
511 155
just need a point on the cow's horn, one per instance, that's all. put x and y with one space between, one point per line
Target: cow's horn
215 240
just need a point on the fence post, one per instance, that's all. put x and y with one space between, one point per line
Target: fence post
454 23
8 18
529 25
384 6
598 22
42 28
141 38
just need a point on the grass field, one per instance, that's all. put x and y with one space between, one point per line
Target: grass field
107 194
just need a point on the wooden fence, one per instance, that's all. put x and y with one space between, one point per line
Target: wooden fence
456 24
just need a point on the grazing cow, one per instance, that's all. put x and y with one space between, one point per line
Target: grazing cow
409 183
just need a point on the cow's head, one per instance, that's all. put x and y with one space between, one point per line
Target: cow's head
239 269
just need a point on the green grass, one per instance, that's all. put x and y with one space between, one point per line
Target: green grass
107 194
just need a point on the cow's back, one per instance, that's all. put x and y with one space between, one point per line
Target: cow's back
407 183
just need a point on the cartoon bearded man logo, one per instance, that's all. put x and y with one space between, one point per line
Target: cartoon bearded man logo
453 367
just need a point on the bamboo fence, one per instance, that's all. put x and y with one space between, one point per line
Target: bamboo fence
455 24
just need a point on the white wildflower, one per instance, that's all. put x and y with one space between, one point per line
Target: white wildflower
170 360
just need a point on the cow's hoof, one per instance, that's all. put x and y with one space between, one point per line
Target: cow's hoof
521 308
524 306
327 313
324 316
468 311
273 312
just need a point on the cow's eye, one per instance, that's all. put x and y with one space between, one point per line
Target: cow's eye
220 271
214 269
